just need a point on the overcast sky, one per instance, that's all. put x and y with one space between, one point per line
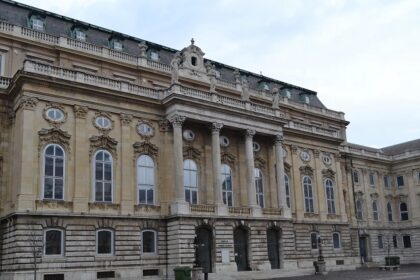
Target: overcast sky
361 57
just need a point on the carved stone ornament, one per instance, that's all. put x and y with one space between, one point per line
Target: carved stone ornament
193 58
259 162
28 103
316 153
54 136
227 157
53 204
165 125
294 149
51 114
287 167
278 139
175 64
374 195
107 123
328 173
306 170
216 127
126 119
80 112
143 48
145 148
250 133
103 142
327 159
190 152
305 156
177 120
145 129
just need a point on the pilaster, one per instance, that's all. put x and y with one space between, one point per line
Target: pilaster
126 166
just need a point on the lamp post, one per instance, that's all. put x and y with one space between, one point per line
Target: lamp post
320 267
320 243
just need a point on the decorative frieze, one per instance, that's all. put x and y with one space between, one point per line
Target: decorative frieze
103 206
28 103
227 157
54 136
328 173
126 119
103 142
80 112
190 152
145 148
177 120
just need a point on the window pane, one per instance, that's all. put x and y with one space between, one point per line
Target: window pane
187 196
314 241
380 242
49 166
108 192
100 156
59 170
58 151
48 188
104 242
336 240
142 196
108 172
150 196
53 242
58 191
99 192
98 171
194 197
149 242
50 150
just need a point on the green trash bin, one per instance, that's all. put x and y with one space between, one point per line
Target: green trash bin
182 273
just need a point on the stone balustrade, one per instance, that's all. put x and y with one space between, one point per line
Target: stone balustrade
107 53
272 211
202 208
378 154
240 211
4 82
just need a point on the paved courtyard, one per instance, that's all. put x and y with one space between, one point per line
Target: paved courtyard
411 272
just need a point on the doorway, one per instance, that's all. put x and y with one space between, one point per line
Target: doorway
273 247
363 244
204 249
240 240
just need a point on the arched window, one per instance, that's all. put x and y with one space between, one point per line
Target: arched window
389 211
375 210
329 190
53 172
309 195
287 186
259 187
227 193
190 181
104 242
336 240
53 242
149 242
103 176
145 179
359 209
404 211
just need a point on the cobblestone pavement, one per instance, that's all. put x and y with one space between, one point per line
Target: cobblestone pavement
411 272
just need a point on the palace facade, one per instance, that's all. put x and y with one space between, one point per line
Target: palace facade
121 158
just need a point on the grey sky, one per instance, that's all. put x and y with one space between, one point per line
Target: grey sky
361 56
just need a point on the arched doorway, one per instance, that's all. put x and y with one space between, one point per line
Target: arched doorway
364 248
204 248
273 247
240 240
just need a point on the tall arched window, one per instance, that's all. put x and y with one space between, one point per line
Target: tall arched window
403 211
103 176
227 193
389 211
287 186
190 181
259 187
53 172
309 195
145 179
329 190
359 209
375 210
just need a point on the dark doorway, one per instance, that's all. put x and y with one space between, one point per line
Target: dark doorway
204 249
240 239
363 249
273 247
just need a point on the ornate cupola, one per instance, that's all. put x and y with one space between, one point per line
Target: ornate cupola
193 58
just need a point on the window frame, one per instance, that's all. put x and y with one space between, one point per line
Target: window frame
259 179
62 249
387 182
404 212
359 201
77 31
375 211
224 176
191 189
400 181
372 181
102 181
404 241
316 239
336 233
39 19
310 199
155 245
287 191
63 178
389 211
142 186
380 241
330 201
356 175
112 245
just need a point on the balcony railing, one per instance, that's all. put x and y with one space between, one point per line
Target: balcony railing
203 208
240 210
4 82
272 211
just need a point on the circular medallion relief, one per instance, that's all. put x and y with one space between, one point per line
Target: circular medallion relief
103 122
304 155
145 129
256 146
326 159
54 114
224 141
188 135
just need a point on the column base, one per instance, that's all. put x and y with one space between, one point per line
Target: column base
222 210
180 208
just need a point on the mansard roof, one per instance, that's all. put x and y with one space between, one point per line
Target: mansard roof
58 25
402 147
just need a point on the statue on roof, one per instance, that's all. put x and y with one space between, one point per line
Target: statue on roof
212 73
276 97
245 89
175 62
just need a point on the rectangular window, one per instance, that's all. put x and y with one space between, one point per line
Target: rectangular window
395 241
407 241
336 240
154 56
53 241
371 178
355 177
400 181
314 240
149 242
37 24
104 242
105 274
380 242
386 181
53 276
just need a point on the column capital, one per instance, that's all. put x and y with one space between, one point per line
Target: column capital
250 133
278 139
216 127
177 120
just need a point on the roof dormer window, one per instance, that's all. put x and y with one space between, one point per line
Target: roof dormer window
37 22
80 35
263 86
286 93
304 98
154 55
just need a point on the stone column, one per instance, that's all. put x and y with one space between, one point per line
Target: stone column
249 157
179 205
281 188
217 180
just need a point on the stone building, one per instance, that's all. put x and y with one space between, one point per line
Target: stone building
115 153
